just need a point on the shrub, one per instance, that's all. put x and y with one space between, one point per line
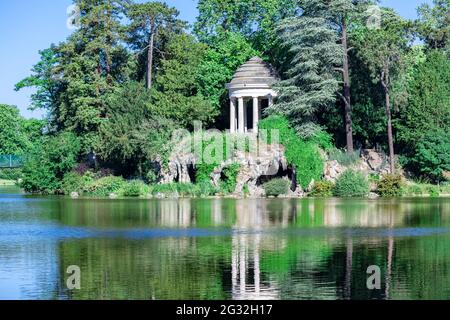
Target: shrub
344 158
48 162
73 182
182 189
229 178
304 154
11 174
322 189
390 185
374 178
135 188
206 189
351 184
105 186
433 191
246 190
415 190
186 189
276 187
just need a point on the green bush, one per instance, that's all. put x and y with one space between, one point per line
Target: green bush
206 189
246 190
433 191
229 179
187 189
73 182
135 188
182 189
374 178
303 154
344 158
49 160
351 184
276 187
322 189
11 174
390 185
105 186
415 190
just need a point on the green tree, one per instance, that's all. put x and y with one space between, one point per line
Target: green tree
48 87
254 19
431 155
73 77
48 162
312 80
219 64
13 139
132 135
433 24
342 15
382 49
177 95
321 27
148 20
427 106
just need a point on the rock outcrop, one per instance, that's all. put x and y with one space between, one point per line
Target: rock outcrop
255 168
371 162
179 168
333 170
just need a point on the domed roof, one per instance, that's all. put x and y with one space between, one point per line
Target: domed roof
254 72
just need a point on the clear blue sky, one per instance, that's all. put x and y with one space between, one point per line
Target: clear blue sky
28 26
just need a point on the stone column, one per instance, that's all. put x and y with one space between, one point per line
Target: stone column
241 128
255 114
232 115
270 100
245 115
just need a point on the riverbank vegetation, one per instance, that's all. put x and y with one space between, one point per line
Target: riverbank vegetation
352 77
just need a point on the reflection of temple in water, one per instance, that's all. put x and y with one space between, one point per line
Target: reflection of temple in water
248 241
253 221
246 270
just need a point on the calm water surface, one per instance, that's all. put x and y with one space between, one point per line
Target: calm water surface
223 249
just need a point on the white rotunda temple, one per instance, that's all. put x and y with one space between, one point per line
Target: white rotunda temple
252 82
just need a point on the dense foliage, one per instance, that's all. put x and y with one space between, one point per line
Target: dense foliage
303 154
428 100
276 187
131 73
351 184
431 156
13 137
322 189
48 162
390 185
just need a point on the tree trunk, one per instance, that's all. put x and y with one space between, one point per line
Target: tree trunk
150 57
385 81
347 97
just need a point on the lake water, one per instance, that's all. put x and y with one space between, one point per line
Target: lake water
222 248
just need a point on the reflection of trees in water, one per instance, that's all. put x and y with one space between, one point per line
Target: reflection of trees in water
204 213
149 269
262 258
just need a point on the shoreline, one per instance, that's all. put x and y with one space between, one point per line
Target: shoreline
7 183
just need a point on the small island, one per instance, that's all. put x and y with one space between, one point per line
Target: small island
265 149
